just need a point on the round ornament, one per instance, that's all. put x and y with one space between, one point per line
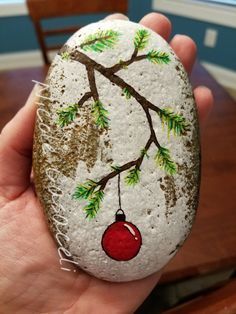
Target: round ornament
122 240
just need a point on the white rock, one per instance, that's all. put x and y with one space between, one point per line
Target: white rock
161 206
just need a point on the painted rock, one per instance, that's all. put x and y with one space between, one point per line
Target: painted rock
116 151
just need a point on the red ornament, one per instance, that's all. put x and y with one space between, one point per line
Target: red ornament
122 240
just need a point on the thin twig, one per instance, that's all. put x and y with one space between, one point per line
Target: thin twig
109 73
82 100
92 82
122 64
137 163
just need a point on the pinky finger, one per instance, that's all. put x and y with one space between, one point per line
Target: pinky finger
204 100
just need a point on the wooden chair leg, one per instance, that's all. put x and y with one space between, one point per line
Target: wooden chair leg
41 43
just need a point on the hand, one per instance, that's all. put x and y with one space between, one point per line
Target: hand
31 280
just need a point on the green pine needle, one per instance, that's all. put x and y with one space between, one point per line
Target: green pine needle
100 114
158 57
121 62
116 167
93 206
127 93
144 153
133 177
65 56
67 115
88 192
174 122
84 191
141 39
100 41
164 160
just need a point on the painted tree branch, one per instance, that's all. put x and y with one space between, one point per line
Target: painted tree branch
86 97
99 113
68 114
92 83
91 66
123 64
109 74
93 191
152 139
138 162
175 123
134 163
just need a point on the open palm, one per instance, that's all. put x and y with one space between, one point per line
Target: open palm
31 280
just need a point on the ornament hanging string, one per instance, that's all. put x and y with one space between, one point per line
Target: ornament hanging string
122 240
119 197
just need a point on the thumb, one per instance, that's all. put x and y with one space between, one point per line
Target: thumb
16 150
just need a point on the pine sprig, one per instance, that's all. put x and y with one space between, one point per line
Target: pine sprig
100 41
158 57
116 167
126 93
133 177
174 122
93 206
100 114
141 39
67 115
122 63
164 161
86 190
144 153
65 56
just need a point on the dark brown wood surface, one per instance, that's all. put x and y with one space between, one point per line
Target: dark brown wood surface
212 243
220 301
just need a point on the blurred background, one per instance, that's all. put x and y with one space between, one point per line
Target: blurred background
210 23
201 277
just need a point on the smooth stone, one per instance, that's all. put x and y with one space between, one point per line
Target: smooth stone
115 88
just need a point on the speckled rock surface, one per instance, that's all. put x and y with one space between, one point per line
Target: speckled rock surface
117 129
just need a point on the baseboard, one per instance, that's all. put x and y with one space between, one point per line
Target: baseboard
223 76
24 59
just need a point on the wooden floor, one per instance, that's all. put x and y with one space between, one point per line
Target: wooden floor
220 301
15 87
212 244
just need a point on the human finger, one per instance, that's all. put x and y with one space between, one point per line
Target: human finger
16 149
204 100
159 23
186 49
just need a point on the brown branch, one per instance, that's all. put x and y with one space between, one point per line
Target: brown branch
84 99
121 83
91 66
137 163
153 134
88 62
135 53
92 82
122 64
